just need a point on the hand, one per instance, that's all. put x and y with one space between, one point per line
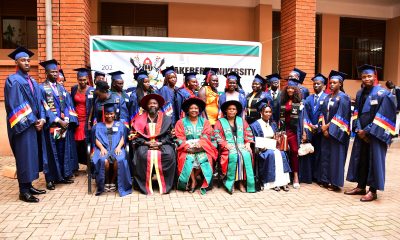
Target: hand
118 151
325 127
229 147
325 133
362 134
247 146
39 125
103 152
63 124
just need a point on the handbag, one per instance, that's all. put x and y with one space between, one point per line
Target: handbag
305 148
281 141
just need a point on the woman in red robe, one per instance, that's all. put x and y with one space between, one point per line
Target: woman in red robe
195 151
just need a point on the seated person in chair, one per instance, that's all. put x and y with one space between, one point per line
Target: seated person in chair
109 157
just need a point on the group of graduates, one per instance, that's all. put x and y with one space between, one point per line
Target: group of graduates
185 136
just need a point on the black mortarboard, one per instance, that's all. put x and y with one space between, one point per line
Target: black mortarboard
262 103
168 70
301 74
20 52
109 106
273 77
260 79
337 75
367 69
190 75
82 72
116 75
49 64
99 73
320 77
213 71
142 74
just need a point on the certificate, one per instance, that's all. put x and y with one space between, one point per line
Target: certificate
267 143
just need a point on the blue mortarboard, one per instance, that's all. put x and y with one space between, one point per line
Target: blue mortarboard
213 71
337 75
82 72
301 74
142 74
168 70
275 77
116 75
190 75
262 103
109 106
99 73
20 52
49 64
233 75
320 77
368 69
260 79
292 83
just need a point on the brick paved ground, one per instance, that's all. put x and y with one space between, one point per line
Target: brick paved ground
309 213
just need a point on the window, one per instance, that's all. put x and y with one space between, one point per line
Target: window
134 19
18 24
362 41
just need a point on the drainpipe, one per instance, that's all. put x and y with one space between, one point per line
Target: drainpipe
49 31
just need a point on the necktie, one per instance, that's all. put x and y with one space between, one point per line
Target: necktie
30 83
54 86
315 101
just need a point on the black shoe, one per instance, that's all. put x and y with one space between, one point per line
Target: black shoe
35 191
27 197
66 181
50 185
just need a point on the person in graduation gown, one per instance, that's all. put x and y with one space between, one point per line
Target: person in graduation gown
82 96
233 137
60 122
374 123
168 92
232 92
186 91
143 85
196 153
335 127
274 82
99 76
298 76
209 94
273 164
25 121
289 121
109 157
258 94
309 165
117 89
154 146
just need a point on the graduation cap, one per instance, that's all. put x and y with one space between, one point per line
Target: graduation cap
212 71
98 73
142 74
20 52
233 75
109 106
102 86
320 77
301 74
258 78
82 72
49 64
368 69
116 75
337 75
262 103
292 83
275 77
61 74
168 70
190 75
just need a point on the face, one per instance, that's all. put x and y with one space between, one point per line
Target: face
152 105
318 86
256 86
109 116
231 111
290 91
293 76
368 79
23 63
266 113
275 85
172 79
61 80
334 85
192 83
118 85
146 84
52 75
214 81
193 110
232 85
82 81
99 78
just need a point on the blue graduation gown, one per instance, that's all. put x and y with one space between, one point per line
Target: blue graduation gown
309 165
380 104
304 91
275 104
89 94
61 153
124 105
124 175
24 108
181 95
222 100
134 107
169 96
266 159
334 149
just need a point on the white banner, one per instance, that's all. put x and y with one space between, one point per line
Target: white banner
129 54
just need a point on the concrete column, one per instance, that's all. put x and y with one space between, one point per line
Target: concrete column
263 34
330 43
392 51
